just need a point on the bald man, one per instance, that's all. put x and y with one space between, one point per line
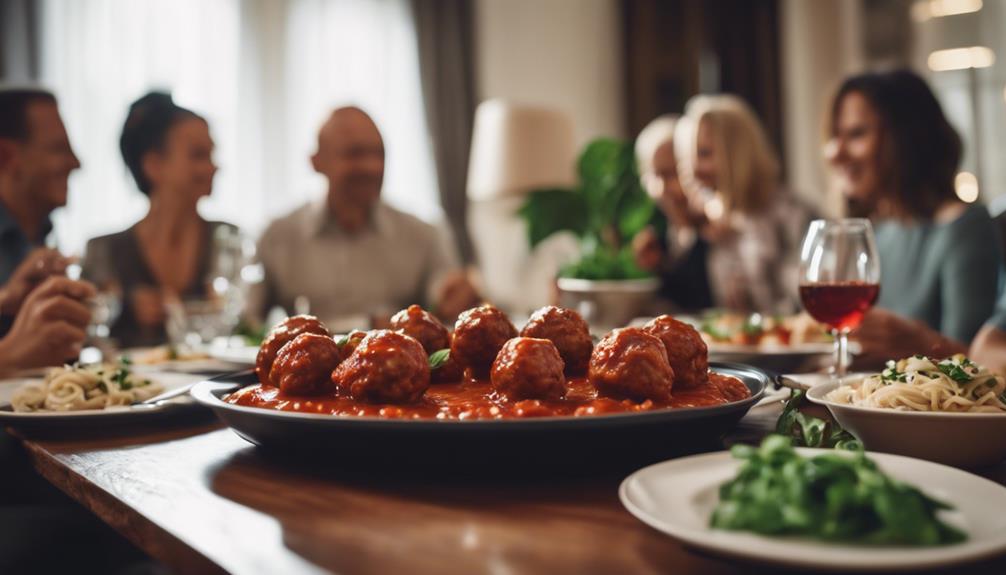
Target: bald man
351 259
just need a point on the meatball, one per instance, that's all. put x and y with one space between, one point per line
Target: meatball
529 368
350 341
631 363
387 367
283 333
686 352
567 330
479 334
304 366
420 324
449 372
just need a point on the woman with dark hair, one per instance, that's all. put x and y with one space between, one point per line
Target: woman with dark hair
895 156
165 256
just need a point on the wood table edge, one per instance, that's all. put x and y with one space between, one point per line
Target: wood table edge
145 534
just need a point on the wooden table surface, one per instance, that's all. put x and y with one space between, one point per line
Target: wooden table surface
202 500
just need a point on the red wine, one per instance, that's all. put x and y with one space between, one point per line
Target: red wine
841 305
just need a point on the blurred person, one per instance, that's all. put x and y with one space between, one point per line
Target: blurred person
733 207
680 258
166 256
354 259
895 156
43 318
989 346
36 160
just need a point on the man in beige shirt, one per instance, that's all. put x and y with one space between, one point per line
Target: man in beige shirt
349 258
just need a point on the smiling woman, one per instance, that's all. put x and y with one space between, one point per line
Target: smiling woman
895 156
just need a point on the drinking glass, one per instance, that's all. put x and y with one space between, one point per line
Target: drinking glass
839 278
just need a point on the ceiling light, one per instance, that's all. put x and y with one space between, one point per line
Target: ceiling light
961 58
966 186
924 10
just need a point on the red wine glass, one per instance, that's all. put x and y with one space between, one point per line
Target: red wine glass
839 278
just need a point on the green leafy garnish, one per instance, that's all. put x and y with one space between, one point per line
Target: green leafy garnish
833 497
753 325
343 340
954 371
252 334
809 431
439 358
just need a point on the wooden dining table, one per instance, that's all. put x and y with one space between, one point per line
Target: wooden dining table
200 499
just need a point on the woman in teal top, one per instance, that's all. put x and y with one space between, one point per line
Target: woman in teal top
896 156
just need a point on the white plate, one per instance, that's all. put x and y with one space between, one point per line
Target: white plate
808 381
677 497
243 356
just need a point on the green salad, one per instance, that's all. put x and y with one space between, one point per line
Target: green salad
842 497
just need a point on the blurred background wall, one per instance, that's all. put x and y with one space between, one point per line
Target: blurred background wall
266 71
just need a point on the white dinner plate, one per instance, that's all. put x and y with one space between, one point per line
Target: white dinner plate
242 356
677 497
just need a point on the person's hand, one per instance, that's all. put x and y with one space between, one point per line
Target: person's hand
885 335
40 264
647 250
50 327
148 306
456 295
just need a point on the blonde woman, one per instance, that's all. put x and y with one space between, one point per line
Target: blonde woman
753 227
680 259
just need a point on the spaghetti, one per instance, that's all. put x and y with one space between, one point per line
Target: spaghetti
919 383
78 387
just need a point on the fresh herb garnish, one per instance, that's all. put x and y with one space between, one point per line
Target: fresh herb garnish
954 371
809 431
439 358
121 376
753 325
830 497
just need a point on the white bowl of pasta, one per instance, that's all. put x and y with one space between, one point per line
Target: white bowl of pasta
950 411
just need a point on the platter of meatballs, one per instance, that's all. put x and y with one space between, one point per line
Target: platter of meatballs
486 370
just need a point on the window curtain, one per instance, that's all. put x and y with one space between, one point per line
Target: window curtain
265 74
446 62
18 41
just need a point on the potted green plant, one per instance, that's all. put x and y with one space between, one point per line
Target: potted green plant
606 209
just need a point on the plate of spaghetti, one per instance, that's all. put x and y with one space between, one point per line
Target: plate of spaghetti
77 392
948 410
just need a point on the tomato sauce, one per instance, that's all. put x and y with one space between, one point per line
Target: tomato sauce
478 400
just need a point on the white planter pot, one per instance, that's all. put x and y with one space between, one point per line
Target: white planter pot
607 304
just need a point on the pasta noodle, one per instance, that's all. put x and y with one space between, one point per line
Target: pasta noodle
79 387
919 383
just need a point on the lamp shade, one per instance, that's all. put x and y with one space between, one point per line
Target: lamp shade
517 148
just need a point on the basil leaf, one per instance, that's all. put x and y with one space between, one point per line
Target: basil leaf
809 431
954 372
439 358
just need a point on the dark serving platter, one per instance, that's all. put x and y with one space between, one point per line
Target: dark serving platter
629 437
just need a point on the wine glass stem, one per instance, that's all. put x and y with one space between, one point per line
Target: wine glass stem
841 352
